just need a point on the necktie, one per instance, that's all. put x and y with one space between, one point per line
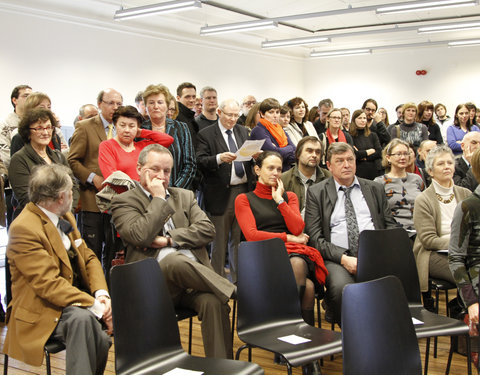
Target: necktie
352 225
233 148
110 131
64 226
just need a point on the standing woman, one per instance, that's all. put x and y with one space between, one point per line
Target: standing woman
252 118
368 152
472 110
461 126
432 217
384 116
408 130
334 133
275 137
299 125
401 187
425 116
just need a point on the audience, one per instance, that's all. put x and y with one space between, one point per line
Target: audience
384 116
248 102
463 175
299 125
442 119
333 132
209 108
374 121
345 118
432 217
324 106
186 97
253 118
425 117
419 165
461 126
408 130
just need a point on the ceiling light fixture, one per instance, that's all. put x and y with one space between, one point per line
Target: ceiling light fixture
449 27
346 52
415 6
239 26
148 10
295 42
464 43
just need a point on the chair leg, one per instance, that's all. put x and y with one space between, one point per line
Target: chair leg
450 354
319 315
47 362
446 303
190 328
5 365
427 353
289 369
239 351
233 318
469 355
250 354
435 339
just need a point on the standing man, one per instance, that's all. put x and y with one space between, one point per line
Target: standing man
338 209
324 106
186 96
83 158
166 223
306 171
224 180
209 108
248 102
463 175
58 286
374 121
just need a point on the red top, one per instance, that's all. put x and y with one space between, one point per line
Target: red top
112 157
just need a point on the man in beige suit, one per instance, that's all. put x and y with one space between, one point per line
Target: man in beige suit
58 285
167 224
83 158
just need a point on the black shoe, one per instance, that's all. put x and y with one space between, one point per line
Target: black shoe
2 314
428 302
328 313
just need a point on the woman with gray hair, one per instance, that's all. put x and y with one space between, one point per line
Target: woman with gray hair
432 217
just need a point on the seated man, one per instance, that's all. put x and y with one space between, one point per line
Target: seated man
463 175
338 209
167 224
54 279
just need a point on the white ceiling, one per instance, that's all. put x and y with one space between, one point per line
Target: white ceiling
343 29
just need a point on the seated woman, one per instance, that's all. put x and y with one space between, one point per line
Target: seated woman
269 212
299 126
432 217
368 152
121 152
275 137
36 129
464 248
334 133
401 187
461 126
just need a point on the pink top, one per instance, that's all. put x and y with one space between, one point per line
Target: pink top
112 157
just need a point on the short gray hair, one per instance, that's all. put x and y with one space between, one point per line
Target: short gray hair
47 182
434 153
227 102
338 148
207 88
142 158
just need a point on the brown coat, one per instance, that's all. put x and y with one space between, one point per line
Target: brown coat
83 158
427 219
42 282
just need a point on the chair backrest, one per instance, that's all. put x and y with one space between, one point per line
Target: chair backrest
378 336
144 321
386 252
267 290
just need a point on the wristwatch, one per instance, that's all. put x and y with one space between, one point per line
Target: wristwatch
280 202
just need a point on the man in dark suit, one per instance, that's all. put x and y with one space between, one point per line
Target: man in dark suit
224 180
332 225
58 285
166 223
463 175
83 158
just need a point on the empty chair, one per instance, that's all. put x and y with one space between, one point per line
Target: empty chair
389 252
147 339
378 336
269 307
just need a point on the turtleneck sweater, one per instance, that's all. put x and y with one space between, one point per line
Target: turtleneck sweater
446 209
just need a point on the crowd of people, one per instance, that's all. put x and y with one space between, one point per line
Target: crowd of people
322 177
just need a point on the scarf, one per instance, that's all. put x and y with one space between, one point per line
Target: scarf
321 271
341 137
276 131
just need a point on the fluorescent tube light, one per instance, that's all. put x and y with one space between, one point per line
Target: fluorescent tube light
148 10
346 52
449 27
240 26
462 43
415 6
295 42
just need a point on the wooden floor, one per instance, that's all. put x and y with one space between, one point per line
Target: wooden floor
264 359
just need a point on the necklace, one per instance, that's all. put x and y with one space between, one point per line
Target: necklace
443 200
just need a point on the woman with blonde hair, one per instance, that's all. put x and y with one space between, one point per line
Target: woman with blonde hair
410 131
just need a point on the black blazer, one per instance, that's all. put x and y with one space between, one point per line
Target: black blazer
216 178
463 175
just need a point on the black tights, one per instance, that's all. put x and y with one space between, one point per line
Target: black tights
300 270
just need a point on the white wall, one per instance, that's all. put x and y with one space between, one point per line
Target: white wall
453 77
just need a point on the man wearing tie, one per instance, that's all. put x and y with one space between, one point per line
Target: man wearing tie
337 210
224 179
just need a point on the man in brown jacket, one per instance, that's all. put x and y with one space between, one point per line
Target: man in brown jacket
58 285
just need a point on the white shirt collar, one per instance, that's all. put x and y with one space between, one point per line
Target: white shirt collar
54 218
354 183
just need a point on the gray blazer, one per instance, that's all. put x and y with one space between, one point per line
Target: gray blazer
321 199
139 220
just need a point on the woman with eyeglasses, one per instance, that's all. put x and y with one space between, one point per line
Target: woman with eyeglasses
36 129
172 111
401 187
334 132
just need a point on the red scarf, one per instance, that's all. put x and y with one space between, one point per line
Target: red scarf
314 255
276 131
341 137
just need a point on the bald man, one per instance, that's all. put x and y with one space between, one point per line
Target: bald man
463 175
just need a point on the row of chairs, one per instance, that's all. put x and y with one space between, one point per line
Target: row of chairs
377 337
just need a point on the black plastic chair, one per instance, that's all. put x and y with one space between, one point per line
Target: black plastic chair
377 331
51 347
269 307
389 252
147 339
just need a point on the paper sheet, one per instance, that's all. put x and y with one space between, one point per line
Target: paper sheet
182 371
294 339
416 321
249 148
